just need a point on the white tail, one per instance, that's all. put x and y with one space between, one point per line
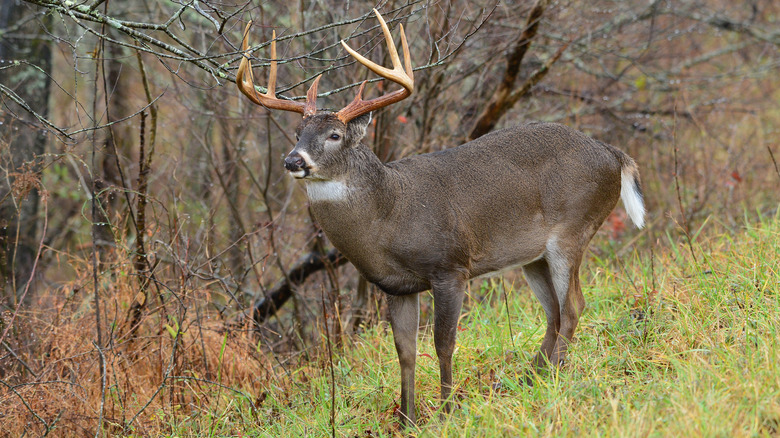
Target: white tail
631 194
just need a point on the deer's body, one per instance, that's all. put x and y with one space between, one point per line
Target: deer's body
530 196
465 210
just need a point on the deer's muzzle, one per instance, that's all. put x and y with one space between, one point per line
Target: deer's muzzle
296 164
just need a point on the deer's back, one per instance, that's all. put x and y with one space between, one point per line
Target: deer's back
503 195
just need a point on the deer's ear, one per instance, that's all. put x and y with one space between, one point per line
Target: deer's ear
356 128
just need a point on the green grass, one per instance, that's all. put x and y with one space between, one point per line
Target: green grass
680 349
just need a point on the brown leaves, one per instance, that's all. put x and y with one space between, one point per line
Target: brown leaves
24 181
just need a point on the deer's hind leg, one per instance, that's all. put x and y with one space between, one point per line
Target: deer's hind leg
540 280
564 266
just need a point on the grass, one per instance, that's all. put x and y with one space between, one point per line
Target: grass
668 348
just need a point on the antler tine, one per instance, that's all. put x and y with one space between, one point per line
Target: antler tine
397 74
273 68
311 98
245 83
400 73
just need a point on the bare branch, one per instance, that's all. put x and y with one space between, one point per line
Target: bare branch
500 103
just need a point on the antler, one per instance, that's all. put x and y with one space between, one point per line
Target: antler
269 100
402 75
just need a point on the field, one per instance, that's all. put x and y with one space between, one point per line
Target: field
667 346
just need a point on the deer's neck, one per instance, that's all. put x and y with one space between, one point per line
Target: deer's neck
355 208
362 186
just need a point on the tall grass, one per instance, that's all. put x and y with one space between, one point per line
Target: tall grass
670 347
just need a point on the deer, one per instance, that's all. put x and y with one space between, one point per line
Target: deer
529 196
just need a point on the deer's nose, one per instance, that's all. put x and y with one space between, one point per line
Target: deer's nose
294 162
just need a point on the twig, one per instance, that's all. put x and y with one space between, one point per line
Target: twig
95 199
19 359
144 166
103 382
32 271
677 188
332 275
24 402
508 316
211 382
728 24
332 372
19 101
772 156
165 377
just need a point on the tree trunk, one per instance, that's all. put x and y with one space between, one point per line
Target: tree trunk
25 141
501 102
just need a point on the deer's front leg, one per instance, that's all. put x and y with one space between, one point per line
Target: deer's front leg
447 302
405 319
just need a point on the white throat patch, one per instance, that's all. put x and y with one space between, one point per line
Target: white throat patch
327 191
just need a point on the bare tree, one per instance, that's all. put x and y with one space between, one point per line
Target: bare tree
25 76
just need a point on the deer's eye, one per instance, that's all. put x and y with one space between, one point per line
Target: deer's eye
334 137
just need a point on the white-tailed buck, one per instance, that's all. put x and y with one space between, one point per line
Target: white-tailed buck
530 196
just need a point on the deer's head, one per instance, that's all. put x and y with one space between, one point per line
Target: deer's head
325 139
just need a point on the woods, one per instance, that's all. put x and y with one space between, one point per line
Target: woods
155 257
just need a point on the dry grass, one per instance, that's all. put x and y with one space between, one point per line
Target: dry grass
175 358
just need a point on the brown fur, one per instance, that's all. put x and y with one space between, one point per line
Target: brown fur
532 196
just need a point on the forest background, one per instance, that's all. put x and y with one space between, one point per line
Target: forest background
159 268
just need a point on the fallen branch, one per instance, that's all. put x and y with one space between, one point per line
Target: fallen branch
296 275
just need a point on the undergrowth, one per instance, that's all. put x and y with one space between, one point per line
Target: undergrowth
669 345
675 340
